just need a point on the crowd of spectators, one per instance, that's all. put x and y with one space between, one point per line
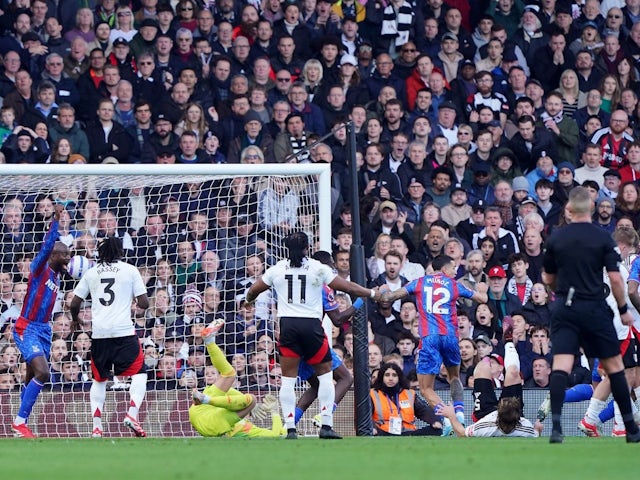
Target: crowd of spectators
473 119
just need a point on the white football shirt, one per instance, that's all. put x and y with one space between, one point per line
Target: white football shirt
299 289
487 426
112 288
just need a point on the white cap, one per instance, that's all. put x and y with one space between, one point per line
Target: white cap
350 59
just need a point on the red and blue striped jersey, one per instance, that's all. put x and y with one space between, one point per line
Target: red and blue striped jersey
44 283
329 302
436 297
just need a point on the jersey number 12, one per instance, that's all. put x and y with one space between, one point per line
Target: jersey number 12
440 305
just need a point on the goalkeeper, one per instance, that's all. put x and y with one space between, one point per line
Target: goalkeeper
220 410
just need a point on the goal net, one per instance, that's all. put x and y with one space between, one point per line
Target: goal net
200 236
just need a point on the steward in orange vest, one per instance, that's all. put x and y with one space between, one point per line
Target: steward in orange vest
395 407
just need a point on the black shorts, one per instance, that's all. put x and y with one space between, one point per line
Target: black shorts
116 356
629 352
485 400
587 324
304 338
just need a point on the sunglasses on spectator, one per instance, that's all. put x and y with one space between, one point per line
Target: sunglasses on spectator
614 16
409 50
284 79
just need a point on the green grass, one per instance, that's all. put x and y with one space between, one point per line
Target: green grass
311 459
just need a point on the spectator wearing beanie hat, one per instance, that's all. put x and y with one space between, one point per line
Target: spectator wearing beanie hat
504 166
520 186
564 183
604 215
192 306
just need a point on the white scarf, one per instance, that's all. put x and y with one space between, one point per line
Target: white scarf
512 287
397 25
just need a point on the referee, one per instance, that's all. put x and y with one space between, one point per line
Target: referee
573 266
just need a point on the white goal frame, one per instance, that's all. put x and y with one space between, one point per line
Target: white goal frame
74 419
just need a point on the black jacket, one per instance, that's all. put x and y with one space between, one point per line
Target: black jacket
101 148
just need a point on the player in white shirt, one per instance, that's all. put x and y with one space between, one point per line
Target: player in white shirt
627 241
112 285
298 282
493 417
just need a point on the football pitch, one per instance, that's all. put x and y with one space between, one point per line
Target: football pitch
311 459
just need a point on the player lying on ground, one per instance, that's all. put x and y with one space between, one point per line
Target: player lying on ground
493 417
219 410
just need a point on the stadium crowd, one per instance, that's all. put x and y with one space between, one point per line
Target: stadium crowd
473 124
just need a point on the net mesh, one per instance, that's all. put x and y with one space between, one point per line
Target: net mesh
199 240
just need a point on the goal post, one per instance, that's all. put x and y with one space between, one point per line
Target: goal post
200 235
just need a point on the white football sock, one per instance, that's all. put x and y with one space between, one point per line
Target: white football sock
326 396
97 394
288 401
137 390
511 357
594 409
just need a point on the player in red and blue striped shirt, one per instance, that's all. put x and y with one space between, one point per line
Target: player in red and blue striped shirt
32 332
436 296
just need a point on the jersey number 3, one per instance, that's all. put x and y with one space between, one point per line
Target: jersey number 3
442 296
109 295
299 280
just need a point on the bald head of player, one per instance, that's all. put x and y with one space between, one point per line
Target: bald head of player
60 257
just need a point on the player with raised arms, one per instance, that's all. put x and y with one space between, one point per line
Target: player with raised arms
32 332
298 282
219 410
113 285
436 296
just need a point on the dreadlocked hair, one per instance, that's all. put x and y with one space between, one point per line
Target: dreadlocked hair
297 243
110 250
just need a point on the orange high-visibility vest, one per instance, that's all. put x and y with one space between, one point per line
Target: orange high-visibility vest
385 407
